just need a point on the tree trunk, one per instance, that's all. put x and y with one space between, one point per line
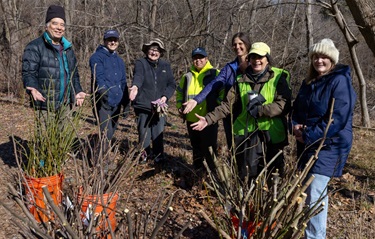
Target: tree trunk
352 41
363 12
12 43
309 25
286 52
153 18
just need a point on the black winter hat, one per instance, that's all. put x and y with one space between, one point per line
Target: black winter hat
55 11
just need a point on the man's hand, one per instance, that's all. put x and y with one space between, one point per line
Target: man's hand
133 92
37 96
80 98
201 124
189 106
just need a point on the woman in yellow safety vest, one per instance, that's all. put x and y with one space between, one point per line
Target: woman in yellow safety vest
259 102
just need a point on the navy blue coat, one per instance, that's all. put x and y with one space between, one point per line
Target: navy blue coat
109 77
312 109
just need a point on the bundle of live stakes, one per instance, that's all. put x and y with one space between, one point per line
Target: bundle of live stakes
268 206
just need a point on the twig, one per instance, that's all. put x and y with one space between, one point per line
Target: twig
161 223
212 224
57 211
183 229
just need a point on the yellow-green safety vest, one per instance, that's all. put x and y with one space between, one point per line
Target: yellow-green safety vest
275 125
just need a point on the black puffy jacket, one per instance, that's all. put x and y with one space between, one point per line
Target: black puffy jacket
43 69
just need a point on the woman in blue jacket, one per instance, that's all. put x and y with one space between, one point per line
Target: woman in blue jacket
326 81
226 78
108 75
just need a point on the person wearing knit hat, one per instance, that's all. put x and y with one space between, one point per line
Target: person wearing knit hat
54 11
153 85
327 83
325 47
49 59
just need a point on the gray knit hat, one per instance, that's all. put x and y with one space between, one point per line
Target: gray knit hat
325 47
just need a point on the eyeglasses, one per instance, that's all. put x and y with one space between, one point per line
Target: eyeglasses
154 50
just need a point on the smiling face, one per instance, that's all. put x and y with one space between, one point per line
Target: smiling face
56 29
153 53
111 43
322 64
199 62
239 47
258 63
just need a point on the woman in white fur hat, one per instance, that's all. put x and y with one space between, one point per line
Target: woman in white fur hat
326 80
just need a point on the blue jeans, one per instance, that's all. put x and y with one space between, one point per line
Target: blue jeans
317 193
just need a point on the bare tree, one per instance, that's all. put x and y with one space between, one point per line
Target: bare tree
309 25
363 12
351 41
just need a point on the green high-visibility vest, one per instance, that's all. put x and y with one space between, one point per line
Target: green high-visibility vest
275 126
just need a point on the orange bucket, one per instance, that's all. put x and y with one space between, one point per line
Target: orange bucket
98 203
34 193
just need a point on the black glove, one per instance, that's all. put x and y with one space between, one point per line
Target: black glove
258 100
254 111
254 104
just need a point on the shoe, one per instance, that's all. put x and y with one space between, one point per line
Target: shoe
143 158
159 159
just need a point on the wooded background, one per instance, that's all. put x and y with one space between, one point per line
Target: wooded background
288 27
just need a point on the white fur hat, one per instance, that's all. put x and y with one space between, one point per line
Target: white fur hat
325 47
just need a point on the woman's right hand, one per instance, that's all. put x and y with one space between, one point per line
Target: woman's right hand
189 106
133 92
201 124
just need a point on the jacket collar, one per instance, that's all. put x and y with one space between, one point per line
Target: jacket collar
64 42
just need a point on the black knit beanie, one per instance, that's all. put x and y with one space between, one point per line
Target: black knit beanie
55 11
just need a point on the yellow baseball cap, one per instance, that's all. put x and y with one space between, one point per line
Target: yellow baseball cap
260 48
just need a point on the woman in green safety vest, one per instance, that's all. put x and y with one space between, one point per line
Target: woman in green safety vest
259 102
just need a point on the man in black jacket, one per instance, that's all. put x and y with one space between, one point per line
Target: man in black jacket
49 66
153 85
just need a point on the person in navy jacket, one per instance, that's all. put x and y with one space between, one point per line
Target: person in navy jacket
108 74
326 80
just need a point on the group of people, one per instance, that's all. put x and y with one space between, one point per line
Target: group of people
250 94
